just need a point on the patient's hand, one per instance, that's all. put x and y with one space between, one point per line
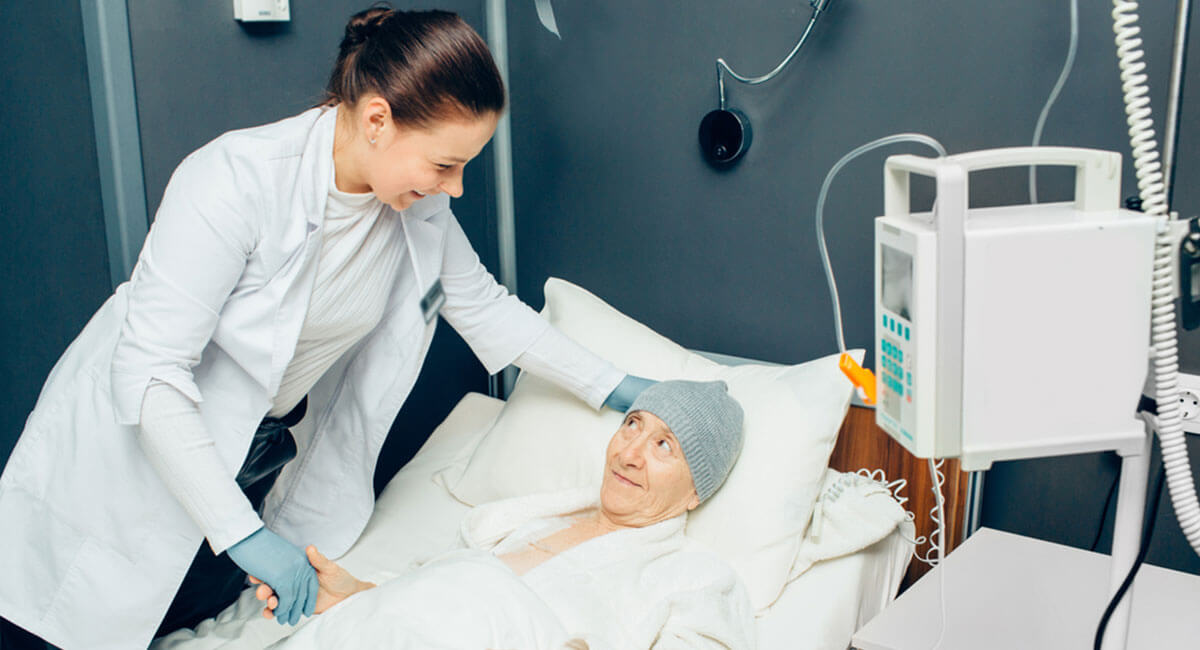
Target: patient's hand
335 584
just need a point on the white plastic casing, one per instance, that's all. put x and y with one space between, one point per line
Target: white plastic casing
1027 326
261 10
904 372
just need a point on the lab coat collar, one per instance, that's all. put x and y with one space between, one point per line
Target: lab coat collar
318 164
424 238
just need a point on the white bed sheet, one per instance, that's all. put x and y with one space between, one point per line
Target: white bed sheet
416 517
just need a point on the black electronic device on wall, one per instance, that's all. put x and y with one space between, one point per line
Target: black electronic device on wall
725 135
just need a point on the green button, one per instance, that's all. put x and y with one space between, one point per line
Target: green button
900 356
906 333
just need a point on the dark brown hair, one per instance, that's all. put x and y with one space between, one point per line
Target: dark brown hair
427 65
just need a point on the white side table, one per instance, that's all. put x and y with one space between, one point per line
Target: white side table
1008 591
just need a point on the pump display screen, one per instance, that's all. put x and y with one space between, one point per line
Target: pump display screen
895 281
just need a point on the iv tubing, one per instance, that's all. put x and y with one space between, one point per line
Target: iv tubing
837 167
1180 483
1058 86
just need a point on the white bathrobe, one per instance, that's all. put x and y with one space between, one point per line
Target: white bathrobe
648 587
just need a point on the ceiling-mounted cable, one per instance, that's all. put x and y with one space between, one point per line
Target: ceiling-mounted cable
818 7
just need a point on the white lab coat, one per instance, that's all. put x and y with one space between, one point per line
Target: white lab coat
92 545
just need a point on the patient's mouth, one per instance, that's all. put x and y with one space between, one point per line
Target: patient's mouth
625 480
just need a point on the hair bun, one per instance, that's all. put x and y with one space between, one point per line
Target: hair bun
363 24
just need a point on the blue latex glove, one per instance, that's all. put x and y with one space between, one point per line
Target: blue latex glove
284 568
623 395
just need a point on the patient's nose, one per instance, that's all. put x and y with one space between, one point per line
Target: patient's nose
631 454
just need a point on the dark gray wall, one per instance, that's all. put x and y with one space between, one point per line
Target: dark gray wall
53 256
199 73
612 192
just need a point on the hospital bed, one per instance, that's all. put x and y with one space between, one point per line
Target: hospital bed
854 551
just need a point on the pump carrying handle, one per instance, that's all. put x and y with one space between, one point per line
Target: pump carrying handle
1097 173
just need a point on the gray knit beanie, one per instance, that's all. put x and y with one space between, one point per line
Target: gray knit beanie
706 421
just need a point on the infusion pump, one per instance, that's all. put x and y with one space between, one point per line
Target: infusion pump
1017 331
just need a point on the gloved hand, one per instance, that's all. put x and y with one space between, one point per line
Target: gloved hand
284 567
335 585
623 395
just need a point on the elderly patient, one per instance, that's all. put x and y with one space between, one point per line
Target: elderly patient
567 569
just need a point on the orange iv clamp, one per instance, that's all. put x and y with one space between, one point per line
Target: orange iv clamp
859 376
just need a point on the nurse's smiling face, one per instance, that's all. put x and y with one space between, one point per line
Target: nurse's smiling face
646 477
405 163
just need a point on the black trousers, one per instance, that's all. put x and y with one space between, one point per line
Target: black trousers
16 638
214 581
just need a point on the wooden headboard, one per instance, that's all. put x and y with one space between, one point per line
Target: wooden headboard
861 444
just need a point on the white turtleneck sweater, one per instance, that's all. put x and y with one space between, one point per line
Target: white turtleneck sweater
360 254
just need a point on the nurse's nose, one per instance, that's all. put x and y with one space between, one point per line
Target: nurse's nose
454 184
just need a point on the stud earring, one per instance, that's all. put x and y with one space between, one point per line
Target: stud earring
372 140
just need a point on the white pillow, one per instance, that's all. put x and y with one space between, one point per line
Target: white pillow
546 439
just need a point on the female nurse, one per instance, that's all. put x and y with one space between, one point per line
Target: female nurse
293 270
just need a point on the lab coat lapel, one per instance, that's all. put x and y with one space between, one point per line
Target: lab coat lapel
424 246
317 166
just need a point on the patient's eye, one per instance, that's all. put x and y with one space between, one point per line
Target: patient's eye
665 445
630 428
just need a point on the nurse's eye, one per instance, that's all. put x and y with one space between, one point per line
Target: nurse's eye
442 167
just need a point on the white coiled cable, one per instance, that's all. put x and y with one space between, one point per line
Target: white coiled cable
1169 422
936 538
937 541
895 487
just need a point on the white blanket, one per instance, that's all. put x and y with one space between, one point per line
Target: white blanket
464 599
640 588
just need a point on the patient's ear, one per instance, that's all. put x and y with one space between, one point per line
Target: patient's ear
695 501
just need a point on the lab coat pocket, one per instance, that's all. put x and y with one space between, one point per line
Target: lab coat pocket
43 553
110 623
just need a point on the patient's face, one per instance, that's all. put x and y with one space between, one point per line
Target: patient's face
646 478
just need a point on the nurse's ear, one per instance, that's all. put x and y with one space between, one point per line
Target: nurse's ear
375 117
